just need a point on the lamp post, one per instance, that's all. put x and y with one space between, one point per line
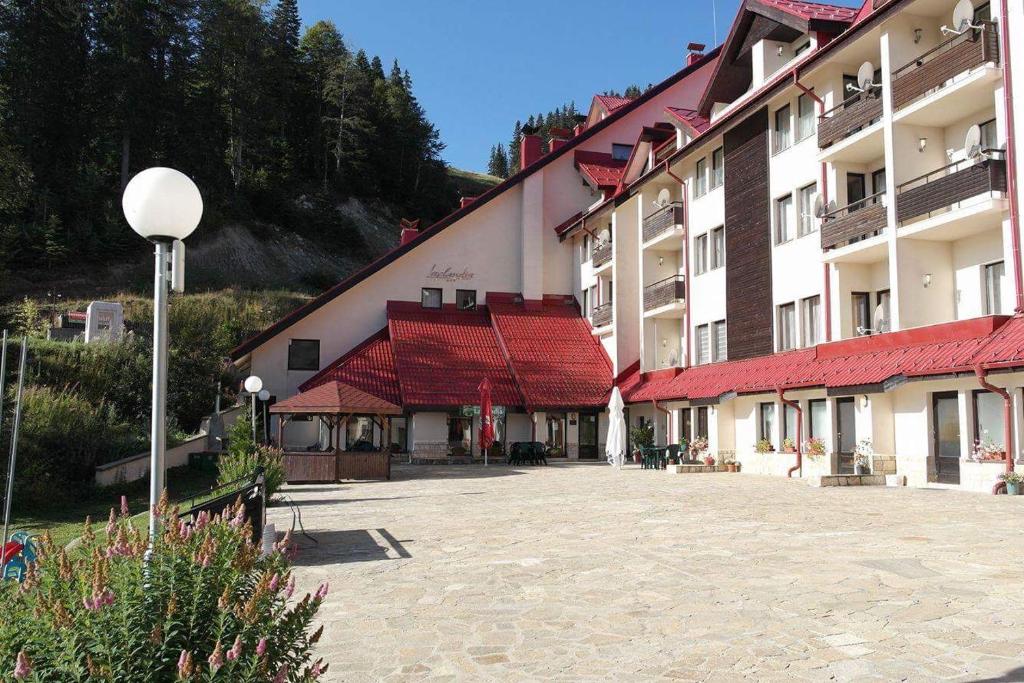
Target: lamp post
162 205
253 385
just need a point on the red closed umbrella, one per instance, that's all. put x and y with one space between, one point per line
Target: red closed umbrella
486 417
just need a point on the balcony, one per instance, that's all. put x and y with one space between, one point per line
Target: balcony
665 298
955 201
854 222
664 222
602 255
601 316
853 115
934 69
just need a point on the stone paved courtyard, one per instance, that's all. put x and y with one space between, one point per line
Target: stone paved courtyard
579 572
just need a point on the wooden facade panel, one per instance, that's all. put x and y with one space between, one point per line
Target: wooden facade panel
375 465
856 114
663 293
963 54
662 220
849 225
602 315
748 275
309 468
947 191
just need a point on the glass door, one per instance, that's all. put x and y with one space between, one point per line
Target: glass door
588 436
846 433
946 432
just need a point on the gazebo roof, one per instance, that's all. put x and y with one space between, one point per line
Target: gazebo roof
335 398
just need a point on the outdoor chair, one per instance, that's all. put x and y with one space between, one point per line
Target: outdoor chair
673 451
540 451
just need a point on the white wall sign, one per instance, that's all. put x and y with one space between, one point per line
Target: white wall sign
449 274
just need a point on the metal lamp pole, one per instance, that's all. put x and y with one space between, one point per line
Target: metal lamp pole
158 424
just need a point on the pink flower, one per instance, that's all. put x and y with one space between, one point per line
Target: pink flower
316 669
290 588
124 505
236 650
239 519
321 592
261 647
184 664
99 600
282 674
216 659
111 523
22 667
273 583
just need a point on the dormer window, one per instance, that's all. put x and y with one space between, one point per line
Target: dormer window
621 152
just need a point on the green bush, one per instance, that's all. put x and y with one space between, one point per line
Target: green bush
206 607
63 438
243 456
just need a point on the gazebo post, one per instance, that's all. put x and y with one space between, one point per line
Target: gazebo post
280 430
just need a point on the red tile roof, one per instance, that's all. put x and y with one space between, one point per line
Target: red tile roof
555 359
599 167
813 10
369 367
690 117
612 102
335 397
442 355
1005 348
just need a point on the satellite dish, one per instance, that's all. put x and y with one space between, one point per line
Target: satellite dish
963 15
832 206
879 323
972 143
664 198
819 205
865 74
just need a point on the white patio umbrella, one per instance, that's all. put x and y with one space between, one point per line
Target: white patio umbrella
615 445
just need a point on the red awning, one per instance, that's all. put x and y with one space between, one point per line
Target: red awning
335 398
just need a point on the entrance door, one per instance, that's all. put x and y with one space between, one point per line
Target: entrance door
846 433
588 436
946 434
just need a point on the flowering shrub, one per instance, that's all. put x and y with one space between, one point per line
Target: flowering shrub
207 606
698 447
763 446
863 452
815 447
987 450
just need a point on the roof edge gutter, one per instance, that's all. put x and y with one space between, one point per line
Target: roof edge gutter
979 371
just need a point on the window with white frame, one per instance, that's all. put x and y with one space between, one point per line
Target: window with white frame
789 430
805 117
783 219
994 287
807 222
720 350
703 345
700 184
718 247
810 315
817 418
787 327
783 129
700 254
717 168
766 420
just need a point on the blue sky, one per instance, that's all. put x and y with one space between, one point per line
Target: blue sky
478 66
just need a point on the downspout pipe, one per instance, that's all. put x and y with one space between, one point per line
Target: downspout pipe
1000 487
1011 153
824 195
799 432
686 260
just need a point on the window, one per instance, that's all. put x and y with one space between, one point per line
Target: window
993 288
700 254
883 298
465 299
621 152
399 434
856 190
717 168
702 422
611 293
877 184
817 418
787 327
720 341
304 354
783 129
586 249
806 120
703 345
783 223
685 425
585 303
983 12
700 186
988 418
718 247
989 138
807 221
802 49
789 423
430 297
810 315
592 298
861 313
766 420
460 433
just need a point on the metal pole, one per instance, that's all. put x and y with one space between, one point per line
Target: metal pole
3 377
14 438
158 426
254 399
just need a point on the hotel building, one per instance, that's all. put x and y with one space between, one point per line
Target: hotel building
810 231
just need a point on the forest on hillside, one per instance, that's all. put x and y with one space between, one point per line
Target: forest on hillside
275 124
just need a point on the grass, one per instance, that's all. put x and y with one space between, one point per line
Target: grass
471 184
65 523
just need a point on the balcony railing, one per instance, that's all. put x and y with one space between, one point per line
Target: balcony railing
949 186
602 315
934 68
853 222
664 292
663 220
853 114
602 254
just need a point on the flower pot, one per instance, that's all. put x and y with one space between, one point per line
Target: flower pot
1012 489
858 469
709 461
731 467
636 457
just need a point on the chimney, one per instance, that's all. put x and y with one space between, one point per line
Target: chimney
695 54
466 201
410 229
530 147
580 127
559 136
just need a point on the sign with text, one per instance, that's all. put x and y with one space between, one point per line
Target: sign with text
447 273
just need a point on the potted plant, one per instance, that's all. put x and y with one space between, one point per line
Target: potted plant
764 446
730 466
814 447
862 457
642 437
985 450
698 447
788 446
1013 481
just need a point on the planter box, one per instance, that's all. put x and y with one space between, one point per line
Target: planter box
980 476
848 480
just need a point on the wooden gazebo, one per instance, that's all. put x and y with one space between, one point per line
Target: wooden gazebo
335 403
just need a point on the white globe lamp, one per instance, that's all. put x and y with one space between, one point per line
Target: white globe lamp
253 384
162 204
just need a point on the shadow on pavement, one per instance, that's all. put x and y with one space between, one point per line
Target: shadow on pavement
350 545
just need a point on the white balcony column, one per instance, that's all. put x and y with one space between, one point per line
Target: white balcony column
890 179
